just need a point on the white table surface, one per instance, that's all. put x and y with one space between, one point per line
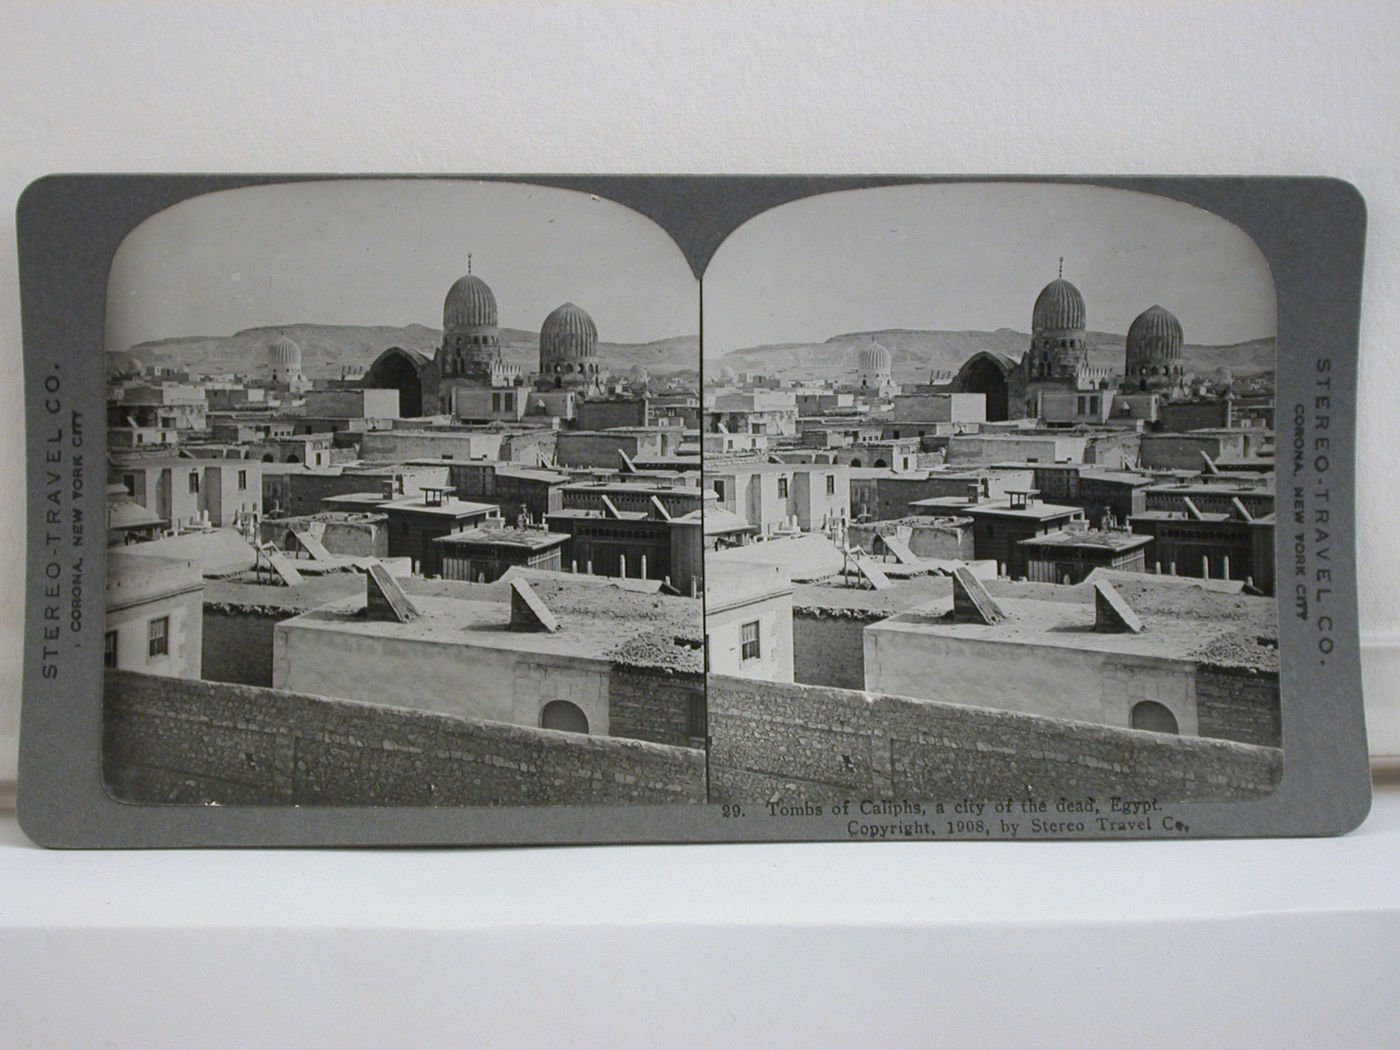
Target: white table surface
1239 943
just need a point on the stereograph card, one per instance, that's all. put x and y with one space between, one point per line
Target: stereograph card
407 510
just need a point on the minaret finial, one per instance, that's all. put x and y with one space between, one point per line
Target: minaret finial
1061 274
469 263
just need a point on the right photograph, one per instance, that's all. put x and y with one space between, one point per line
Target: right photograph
993 468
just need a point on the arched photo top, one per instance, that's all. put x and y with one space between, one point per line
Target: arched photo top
377 257
937 272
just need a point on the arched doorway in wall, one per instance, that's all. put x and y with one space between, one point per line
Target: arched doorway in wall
982 376
1154 717
563 716
394 369
880 463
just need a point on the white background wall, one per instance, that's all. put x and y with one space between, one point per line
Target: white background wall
1053 86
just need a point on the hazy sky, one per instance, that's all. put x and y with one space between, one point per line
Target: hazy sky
975 257
365 252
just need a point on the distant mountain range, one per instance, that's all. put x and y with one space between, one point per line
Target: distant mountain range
329 350
915 353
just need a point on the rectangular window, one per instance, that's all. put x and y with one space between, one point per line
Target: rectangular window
158 637
129 481
719 488
242 481
194 482
1083 407
748 636
831 484
782 488
109 649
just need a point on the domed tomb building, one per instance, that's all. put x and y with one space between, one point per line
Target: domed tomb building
1153 353
282 364
471 337
569 351
1057 359
874 371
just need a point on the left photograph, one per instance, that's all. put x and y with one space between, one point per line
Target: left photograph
403 501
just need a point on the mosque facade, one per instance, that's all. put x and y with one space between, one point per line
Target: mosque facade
468 376
1057 360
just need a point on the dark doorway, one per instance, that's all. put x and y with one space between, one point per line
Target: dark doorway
563 716
1154 717
394 371
984 377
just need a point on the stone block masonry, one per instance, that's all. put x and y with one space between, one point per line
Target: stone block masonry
665 708
829 646
777 742
170 740
1239 704
238 644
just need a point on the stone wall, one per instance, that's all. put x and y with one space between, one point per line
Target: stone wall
773 742
1239 704
238 644
828 647
652 705
193 742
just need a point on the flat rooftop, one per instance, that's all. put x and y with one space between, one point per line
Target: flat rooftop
1227 486
731 584
917 520
620 626
1117 477
356 499
448 508
761 467
1037 511
506 536
1187 623
580 513
1091 539
633 488
1206 516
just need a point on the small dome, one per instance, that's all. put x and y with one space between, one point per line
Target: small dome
727 374
639 373
283 354
1155 335
875 359
470 303
1059 307
568 332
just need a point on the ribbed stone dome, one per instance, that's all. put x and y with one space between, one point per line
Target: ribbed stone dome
875 359
470 303
1154 337
1059 307
283 354
568 333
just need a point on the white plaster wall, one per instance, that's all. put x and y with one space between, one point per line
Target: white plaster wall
1293 86
186 612
495 684
724 629
1084 685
